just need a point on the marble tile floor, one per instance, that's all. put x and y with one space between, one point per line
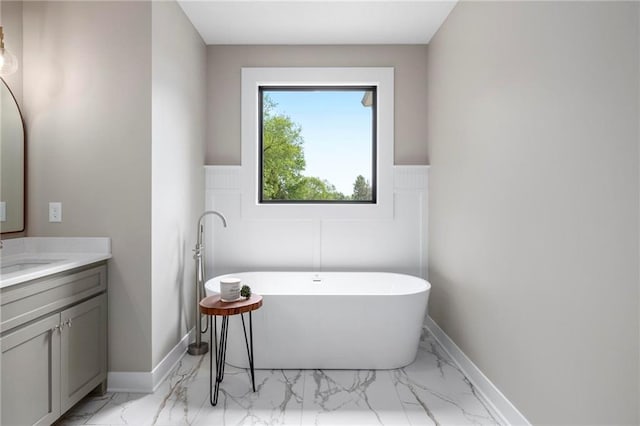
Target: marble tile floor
430 391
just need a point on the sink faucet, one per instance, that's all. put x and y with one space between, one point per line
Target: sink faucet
199 347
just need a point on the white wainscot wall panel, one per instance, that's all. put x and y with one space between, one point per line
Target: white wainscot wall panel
371 245
250 245
393 245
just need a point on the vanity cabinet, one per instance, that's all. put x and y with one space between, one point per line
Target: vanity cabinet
30 378
52 361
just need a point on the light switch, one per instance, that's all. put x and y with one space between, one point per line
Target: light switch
55 212
3 211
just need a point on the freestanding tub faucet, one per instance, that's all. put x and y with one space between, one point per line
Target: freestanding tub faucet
200 347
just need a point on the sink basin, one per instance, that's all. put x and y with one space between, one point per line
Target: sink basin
21 265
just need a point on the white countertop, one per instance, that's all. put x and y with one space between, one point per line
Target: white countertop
48 255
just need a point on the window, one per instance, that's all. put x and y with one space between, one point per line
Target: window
317 144
263 87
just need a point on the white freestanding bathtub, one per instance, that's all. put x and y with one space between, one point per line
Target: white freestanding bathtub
330 320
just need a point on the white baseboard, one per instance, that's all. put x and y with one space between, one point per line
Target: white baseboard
148 381
507 412
129 381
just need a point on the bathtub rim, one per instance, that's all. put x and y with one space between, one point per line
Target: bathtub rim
210 283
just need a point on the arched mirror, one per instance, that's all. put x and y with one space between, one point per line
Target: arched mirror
12 163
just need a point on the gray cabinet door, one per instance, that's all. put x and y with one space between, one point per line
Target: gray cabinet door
30 374
83 349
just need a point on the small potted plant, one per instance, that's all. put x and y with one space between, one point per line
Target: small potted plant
245 291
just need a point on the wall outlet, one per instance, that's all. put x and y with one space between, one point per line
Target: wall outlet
55 212
3 211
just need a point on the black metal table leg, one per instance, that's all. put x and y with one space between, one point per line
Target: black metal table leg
249 350
253 376
213 337
221 352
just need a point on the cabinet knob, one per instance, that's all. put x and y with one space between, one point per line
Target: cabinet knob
68 323
57 327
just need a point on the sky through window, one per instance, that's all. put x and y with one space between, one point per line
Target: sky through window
337 132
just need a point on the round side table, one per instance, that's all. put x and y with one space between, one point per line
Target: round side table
215 307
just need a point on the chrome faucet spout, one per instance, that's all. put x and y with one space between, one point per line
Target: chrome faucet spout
201 225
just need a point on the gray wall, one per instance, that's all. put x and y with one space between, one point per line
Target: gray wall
87 91
114 107
225 63
178 126
533 222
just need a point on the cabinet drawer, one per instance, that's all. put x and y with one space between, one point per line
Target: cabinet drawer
27 301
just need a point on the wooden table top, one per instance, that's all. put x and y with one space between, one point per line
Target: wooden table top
212 305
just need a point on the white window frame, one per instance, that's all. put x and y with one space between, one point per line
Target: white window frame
253 78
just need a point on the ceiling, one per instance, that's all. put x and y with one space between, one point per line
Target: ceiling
317 21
